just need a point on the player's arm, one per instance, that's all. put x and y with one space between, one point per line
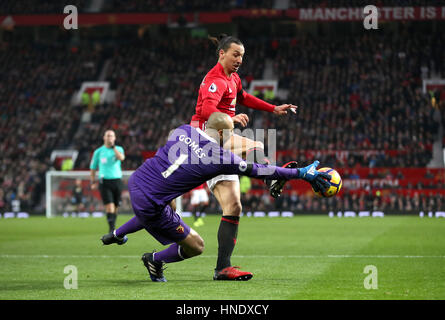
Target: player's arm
318 180
236 165
119 153
93 167
93 182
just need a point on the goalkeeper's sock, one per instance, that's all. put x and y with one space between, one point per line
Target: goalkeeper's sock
257 155
131 226
174 253
227 235
111 219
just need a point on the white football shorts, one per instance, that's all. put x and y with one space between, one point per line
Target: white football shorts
199 196
223 177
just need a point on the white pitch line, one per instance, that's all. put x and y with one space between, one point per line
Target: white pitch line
332 256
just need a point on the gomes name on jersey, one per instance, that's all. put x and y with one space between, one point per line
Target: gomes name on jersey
193 145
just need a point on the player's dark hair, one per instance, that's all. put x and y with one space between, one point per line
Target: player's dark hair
223 42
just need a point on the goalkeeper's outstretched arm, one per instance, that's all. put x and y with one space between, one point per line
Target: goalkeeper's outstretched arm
318 180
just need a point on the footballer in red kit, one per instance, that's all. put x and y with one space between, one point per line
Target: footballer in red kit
220 91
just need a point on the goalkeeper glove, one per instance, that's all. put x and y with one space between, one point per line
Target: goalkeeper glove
318 180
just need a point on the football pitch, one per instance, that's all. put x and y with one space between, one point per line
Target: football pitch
304 257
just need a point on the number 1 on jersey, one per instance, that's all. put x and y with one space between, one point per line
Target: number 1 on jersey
175 165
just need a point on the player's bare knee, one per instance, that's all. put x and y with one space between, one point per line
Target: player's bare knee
234 208
193 245
196 248
199 246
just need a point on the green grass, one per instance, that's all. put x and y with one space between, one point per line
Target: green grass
305 257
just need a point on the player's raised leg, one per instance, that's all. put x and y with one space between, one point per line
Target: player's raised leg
253 151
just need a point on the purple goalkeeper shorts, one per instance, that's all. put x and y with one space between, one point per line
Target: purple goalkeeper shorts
164 224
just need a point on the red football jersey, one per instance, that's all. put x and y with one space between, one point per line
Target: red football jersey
218 92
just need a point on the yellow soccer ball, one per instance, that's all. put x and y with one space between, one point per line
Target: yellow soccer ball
335 182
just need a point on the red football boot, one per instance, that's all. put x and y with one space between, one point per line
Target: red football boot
232 273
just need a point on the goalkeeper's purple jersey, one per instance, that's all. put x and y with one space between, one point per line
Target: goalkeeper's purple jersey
188 159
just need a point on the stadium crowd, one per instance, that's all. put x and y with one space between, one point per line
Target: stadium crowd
345 93
36 87
154 93
366 93
361 95
130 6
182 6
41 7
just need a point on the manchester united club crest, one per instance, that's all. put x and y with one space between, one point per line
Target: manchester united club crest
180 229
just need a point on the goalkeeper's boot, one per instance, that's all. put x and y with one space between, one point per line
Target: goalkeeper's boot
276 186
155 268
111 238
232 273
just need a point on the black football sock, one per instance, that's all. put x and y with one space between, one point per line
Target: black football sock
111 219
227 234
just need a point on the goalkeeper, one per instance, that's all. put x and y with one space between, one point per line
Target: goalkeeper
189 158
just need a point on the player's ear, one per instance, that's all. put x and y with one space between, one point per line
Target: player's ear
221 136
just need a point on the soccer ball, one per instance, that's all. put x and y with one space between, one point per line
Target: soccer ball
335 181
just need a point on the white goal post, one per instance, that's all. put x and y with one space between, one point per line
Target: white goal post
61 201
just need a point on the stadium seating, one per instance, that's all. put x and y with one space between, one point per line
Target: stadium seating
36 116
43 7
360 97
133 6
347 117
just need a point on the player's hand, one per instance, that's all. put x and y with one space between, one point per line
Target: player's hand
282 109
241 118
94 186
319 180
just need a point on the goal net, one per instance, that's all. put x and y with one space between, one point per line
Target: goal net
68 194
